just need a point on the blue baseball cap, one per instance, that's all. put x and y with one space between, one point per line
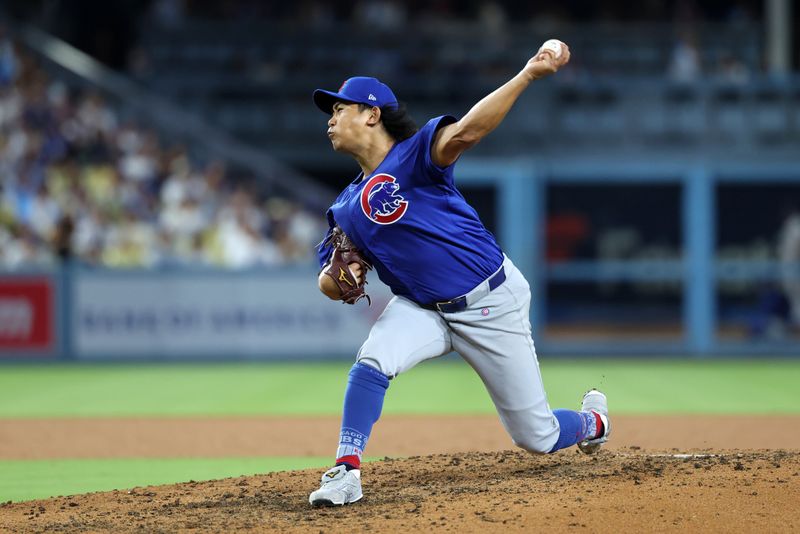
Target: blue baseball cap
358 90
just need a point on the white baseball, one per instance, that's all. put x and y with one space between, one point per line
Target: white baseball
555 46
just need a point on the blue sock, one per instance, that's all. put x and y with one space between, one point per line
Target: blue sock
575 427
363 401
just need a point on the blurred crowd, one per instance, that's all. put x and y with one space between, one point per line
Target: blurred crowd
489 23
390 13
78 181
395 13
110 31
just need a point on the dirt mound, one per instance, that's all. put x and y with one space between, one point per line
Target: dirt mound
613 491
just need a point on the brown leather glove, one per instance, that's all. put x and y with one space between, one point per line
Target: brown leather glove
344 253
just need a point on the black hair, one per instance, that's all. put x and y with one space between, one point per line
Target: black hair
396 121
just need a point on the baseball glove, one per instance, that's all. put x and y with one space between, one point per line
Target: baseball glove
344 253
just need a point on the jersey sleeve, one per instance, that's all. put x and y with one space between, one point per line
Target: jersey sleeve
427 134
324 249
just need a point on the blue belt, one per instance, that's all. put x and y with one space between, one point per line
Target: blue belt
460 303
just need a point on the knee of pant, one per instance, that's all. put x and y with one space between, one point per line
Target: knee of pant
375 364
533 446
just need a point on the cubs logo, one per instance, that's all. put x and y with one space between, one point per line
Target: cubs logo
380 200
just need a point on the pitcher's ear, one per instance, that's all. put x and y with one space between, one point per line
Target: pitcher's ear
374 115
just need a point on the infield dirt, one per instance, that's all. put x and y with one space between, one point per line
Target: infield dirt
626 488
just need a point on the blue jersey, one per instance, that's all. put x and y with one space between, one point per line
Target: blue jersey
410 221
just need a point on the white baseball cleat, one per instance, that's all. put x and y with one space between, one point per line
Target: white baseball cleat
595 401
339 486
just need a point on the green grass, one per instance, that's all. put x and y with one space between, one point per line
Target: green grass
22 480
633 386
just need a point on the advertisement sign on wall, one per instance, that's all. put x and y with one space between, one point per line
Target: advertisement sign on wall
26 314
196 315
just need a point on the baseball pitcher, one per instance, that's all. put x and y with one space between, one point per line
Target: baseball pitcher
454 289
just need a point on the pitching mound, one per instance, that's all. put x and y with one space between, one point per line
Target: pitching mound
614 491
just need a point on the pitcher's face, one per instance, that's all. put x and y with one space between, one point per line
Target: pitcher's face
347 126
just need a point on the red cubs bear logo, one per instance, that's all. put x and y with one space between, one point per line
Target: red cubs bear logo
380 200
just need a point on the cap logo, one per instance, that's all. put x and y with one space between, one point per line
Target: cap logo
372 97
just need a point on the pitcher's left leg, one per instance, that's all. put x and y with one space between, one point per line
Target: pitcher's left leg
510 372
494 337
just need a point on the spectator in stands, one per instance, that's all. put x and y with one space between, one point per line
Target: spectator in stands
62 238
684 66
8 59
731 70
789 257
492 18
778 309
239 231
23 248
291 227
168 13
316 14
381 15
44 212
